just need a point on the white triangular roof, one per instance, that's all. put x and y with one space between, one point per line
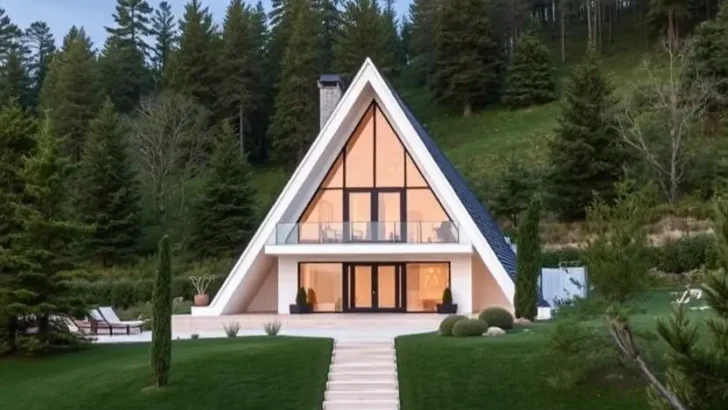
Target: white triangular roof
366 86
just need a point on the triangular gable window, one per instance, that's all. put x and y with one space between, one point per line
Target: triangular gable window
375 192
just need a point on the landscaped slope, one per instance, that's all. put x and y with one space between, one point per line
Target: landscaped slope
246 373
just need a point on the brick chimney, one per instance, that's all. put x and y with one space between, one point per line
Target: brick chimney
331 87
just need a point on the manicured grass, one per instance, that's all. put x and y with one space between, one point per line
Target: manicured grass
508 372
245 373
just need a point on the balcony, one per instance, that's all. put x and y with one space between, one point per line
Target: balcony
416 232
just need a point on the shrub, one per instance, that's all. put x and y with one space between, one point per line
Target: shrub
447 297
686 254
231 329
122 294
496 316
564 256
273 327
447 324
301 297
469 327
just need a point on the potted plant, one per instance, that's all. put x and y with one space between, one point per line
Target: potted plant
447 306
201 283
301 306
312 299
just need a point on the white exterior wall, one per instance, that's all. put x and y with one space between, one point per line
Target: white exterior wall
461 283
287 282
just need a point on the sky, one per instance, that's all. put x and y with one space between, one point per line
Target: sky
95 14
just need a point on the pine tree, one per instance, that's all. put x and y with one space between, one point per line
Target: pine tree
710 50
9 34
164 30
293 125
281 19
530 78
585 155
529 263
241 70
697 366
225 216
389 32
49 243
195 64
363 35
162 316
468 64
15 81
516 186
42 47
330 25
108 189
70 91
124 74
17 132
424 15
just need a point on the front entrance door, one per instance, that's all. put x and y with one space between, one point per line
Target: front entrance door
373 287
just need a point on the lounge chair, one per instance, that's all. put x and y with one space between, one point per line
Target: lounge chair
107 317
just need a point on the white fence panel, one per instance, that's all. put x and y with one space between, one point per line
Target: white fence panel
559 285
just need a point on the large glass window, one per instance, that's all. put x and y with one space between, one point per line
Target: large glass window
322 220
390 154
425 284
360 154
323 284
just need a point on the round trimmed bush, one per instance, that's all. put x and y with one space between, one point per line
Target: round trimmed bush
447 324
496 316
469 327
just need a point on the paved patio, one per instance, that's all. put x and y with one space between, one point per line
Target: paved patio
343 327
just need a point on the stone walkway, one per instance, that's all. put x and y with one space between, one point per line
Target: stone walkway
362 376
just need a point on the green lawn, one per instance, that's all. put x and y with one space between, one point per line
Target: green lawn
245 373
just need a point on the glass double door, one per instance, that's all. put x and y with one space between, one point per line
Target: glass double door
374 287
374 215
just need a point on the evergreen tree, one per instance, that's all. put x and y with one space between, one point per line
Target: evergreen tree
424 16
259 117
225 216
363 35
585 155
162 316
468 58
17 131
108 189
240 69
390 33
697 366
516 186
330 24
529 263
42 46
164 30
281 19
710 51
49 245
124 75
70 91
404 51
9 34
530 78
195 64
293 126
15 80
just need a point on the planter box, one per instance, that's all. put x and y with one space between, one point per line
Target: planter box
453 308
299 310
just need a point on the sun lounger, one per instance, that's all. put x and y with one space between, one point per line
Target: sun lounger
105 317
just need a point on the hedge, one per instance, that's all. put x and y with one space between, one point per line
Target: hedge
125 293
679 256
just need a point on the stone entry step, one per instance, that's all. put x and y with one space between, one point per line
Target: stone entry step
362 376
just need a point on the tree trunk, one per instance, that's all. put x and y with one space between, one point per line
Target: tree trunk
468 109
589 24
563 43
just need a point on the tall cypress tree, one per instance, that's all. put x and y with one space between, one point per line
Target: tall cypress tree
529 263
363 35
49 243
530 76
585 154
162 316
42 47
17 131
195 64
240 69
293 126
70 91
164 30
469 62
124 74
224 219
108 194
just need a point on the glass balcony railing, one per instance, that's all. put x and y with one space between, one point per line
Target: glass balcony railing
366 232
